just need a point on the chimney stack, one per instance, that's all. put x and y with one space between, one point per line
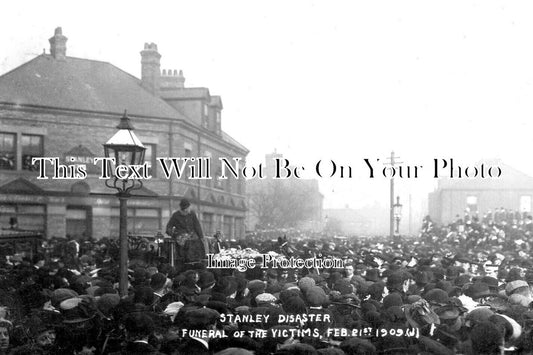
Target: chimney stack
150 68
58 45
172 79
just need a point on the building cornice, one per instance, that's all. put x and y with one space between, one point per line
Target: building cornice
102 114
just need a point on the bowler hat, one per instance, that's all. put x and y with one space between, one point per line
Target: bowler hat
437 296
184 203
479 290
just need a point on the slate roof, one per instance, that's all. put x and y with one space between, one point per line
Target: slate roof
510 179
227 138
80 84
185 93
91 85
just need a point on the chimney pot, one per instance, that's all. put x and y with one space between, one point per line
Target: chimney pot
181 80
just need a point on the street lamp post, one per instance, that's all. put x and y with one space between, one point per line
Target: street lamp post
125 149
397 214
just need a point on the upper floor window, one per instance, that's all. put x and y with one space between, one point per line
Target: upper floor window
218 182
187 149
207 154
205 116
8 151
149 157
228 184
32 146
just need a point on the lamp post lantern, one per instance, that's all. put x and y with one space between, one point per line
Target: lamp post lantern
125 149
397 214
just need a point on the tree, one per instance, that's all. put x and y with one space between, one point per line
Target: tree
283 203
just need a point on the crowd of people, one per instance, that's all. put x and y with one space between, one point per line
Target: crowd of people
450 290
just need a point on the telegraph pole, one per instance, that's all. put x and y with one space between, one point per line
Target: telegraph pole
391 220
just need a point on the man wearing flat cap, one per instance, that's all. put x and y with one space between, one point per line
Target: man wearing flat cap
186 230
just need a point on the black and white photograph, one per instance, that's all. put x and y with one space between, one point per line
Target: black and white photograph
238 177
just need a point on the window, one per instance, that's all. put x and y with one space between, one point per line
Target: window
208 226
227 226
208 182
149 157
140 221
525 204
8 151
32 146
471 203
28 216
187 150
239 227
206 110
218 182
228 184
78 222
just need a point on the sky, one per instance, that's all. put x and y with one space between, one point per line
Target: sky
325 80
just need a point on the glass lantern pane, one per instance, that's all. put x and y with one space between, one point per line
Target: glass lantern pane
125 158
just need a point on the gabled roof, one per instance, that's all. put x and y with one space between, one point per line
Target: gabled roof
80 150
80 84
21 186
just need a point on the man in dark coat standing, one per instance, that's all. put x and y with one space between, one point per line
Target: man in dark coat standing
186 230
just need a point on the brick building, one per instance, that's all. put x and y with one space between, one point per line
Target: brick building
60 106
513 191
